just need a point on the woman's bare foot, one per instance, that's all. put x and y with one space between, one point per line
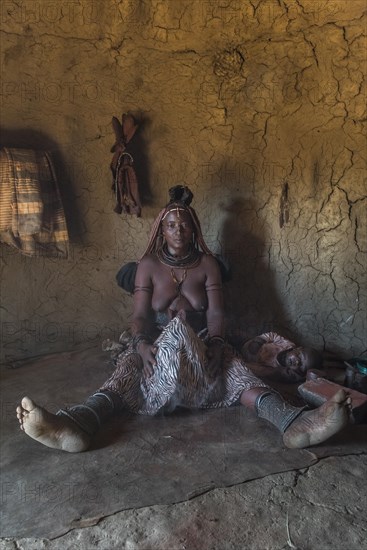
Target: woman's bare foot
57 432
316 426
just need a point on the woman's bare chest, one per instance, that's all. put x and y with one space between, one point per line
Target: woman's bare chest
170 283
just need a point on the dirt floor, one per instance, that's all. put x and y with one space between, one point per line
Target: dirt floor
317 508
213 480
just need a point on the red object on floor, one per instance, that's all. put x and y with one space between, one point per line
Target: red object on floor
315 392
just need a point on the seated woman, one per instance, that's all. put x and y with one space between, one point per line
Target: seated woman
289 362
178 293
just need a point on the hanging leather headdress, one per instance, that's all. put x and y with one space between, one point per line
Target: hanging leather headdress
125 183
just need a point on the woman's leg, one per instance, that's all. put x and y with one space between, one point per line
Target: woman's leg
70 429
55 431
300 428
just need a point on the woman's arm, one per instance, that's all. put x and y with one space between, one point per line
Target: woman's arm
214 316
141 323
214 292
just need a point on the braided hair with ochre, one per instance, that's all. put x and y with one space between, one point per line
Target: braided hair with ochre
180 197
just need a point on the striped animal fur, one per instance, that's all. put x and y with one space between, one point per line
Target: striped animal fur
180 377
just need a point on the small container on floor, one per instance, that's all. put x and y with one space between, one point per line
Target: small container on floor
356 374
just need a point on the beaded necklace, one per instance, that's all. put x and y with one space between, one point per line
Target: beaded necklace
177 282
190 260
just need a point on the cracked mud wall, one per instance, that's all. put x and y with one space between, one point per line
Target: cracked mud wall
258 106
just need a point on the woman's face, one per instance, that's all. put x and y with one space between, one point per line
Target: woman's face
177 231
298 359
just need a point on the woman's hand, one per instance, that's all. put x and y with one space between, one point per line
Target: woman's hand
214 354
147 353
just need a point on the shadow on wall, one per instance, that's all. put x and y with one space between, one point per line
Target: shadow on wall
251 300
25 138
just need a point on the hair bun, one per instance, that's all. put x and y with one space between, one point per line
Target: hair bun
180 193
